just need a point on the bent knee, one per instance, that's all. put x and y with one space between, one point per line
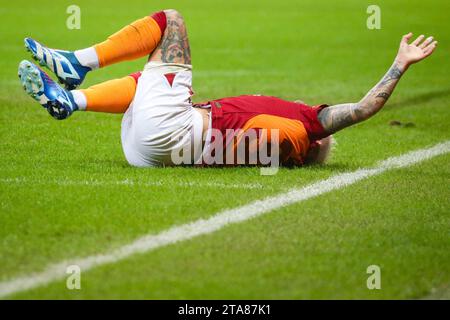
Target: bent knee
173 14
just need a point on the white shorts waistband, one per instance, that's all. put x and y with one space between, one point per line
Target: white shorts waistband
163 68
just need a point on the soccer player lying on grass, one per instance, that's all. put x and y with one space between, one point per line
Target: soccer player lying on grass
159 117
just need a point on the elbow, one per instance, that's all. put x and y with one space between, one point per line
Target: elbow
364 111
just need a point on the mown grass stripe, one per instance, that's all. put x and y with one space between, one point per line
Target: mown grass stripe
220 220
128 182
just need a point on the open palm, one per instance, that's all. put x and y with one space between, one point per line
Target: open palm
417 50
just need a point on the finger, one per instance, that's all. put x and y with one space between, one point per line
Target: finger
406 37
426 42
418 40
430 48
430 45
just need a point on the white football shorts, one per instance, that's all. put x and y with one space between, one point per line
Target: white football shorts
161 120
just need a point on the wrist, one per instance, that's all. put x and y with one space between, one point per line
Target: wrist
401 64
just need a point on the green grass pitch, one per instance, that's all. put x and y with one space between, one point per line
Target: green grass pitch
62 189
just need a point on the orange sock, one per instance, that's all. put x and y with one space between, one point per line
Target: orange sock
136 40
113 96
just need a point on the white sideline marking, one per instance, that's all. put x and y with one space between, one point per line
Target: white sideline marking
220 220
128 182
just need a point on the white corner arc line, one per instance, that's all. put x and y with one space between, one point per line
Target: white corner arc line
205 226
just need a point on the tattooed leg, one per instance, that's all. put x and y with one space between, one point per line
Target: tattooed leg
174 46
340 116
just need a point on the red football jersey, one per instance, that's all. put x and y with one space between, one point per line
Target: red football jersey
297 123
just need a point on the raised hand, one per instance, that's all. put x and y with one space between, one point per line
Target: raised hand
416 51
340 116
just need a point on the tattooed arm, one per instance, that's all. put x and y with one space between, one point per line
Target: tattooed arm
340 116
